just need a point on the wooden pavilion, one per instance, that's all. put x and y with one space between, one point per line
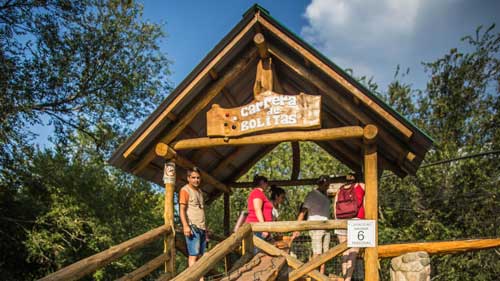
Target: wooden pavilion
260 86
258 55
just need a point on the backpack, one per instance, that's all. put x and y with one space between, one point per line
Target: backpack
347 205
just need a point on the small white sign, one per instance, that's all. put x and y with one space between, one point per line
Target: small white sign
360 233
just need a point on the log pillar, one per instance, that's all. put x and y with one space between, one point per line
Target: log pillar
227 215
169 242
371 197
227 218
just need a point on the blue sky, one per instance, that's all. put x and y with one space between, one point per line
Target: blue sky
371 37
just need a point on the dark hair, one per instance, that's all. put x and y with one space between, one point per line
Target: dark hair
276 191
257 179
193 169
322 180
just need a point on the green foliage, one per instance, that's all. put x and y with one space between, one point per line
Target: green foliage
458 200
90 69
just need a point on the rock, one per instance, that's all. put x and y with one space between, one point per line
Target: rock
411 267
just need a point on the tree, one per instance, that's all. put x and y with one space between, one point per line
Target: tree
77 65
89 69
460 108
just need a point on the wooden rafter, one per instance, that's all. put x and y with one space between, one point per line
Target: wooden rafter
242 64
337 77
336 97
191 85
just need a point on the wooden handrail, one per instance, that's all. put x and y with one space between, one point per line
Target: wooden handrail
287 226
146 268
317 261
292 262
210 259
88 265
433 248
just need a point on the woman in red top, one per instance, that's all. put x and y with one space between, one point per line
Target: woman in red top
260 209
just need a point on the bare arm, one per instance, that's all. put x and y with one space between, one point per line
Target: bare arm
300 217
257 206
185 225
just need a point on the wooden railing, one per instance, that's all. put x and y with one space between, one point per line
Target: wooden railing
208 260
88 265
245 235
244 238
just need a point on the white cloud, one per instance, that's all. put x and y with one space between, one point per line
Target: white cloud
366 20
361 32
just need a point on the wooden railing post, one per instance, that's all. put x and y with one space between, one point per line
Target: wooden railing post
371 201
169 243
247 246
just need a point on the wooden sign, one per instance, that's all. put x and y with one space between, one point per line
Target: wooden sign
268 111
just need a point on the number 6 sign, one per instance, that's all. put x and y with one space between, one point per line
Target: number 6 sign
360 233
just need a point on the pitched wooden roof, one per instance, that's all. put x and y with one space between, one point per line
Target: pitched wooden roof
226 77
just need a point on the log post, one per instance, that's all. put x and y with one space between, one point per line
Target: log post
227 215
169 243
371 201
260 43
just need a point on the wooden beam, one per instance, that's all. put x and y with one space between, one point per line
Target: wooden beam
260 42
88 265
227 215
292 262
369 134
317 135
318 261
164 150
371 207
190 87
407 133
210 259
288 226
437 248
263 77
282 183
168 216
295 160
336 97
147 268
242 64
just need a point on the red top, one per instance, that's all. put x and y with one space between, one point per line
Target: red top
267 206
360 194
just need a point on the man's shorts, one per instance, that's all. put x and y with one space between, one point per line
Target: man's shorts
197 242
320 239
